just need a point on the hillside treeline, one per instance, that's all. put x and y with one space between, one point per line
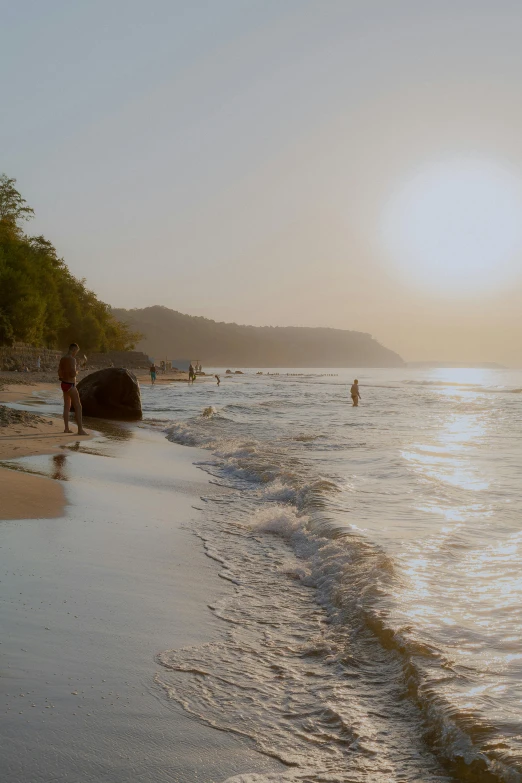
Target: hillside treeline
41 302
174 335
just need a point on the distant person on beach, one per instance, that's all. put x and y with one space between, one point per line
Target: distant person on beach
218 379
152 373
354 391
67 375
192 374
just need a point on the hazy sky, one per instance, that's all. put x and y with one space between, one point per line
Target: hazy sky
355 164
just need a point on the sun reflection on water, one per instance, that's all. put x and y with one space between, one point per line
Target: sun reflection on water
461 577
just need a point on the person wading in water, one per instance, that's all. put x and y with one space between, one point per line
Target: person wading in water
67 375
354 391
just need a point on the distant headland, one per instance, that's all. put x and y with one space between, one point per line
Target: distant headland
170 333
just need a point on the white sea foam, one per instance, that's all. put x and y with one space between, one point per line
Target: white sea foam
281 520
280 675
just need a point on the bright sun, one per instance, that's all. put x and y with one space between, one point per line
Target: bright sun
456 228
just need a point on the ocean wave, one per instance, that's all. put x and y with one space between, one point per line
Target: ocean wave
459 385
295 655
281 675
349 582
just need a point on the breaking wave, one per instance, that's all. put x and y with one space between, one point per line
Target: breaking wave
314 668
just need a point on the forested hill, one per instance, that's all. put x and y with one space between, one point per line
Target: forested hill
174 335
41 302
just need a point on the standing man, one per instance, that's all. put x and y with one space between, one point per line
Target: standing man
67 376
192 374
354 391
152 373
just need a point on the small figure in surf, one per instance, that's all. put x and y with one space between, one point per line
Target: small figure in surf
218 379
152 371
355 394
67 375
192 374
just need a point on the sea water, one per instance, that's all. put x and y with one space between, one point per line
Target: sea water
372 626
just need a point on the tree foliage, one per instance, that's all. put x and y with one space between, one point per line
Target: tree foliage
41 302
13 207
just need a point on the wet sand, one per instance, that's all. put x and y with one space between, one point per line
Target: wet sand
21 390
25 495
88 600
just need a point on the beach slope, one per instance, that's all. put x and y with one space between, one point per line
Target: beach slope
89 599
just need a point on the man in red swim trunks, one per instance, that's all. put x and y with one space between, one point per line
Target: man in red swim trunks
67 375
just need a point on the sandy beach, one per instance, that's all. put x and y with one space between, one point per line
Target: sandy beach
25 495
90 597
29 496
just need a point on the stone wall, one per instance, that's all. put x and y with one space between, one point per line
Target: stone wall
132 360
20 356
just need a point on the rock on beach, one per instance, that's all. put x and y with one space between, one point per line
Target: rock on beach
112 393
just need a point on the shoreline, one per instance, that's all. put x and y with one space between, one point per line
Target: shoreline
90 601
26 495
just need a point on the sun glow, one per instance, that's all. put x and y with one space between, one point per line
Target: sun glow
456 228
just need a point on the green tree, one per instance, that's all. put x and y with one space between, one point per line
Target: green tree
13 207
41 302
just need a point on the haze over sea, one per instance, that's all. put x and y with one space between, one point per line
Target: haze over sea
372 630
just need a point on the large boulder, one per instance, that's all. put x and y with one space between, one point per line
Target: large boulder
113 393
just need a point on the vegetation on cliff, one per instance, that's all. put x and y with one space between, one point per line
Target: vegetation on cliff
41 302
174 335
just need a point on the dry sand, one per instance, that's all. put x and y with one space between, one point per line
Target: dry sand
88 601
24 495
